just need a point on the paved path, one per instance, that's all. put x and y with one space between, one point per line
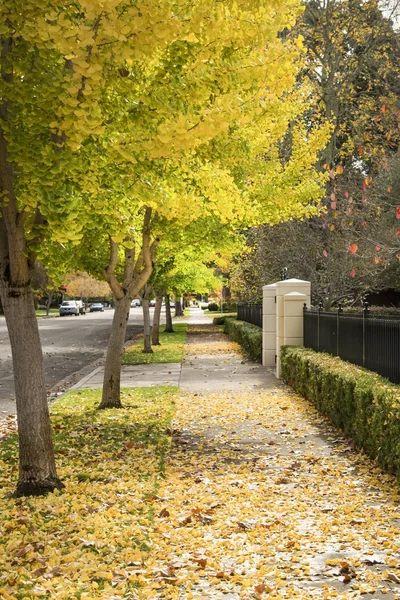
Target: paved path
217 368
262 498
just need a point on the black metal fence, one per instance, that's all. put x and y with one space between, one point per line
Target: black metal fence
363 339
252 313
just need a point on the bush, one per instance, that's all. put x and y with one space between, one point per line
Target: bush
229 307
221 320
247 335
363 404
213 307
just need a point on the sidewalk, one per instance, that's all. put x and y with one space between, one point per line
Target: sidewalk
262 498
214 369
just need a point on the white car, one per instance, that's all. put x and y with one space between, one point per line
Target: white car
135 303
69 307
81 306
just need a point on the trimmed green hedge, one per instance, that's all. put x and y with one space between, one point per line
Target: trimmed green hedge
213 307
247 335
363 404
221 320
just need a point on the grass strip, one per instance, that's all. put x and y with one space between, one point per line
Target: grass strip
90 539
170 350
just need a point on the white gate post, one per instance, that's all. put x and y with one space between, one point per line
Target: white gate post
291 295
269 325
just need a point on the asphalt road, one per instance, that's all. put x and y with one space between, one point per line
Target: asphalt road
72 347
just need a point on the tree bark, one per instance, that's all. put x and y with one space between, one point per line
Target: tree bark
136 273
155 336
147 349
37 471
168 317
178 307
48 302
111 397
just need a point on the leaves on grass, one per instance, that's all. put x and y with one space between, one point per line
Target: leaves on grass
170 350
90 540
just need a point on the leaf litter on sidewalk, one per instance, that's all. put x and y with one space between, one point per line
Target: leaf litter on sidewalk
245 495
263 500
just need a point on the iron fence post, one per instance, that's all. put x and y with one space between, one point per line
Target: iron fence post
320 306
339 312
365 314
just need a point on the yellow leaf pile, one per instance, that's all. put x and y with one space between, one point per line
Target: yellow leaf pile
207 340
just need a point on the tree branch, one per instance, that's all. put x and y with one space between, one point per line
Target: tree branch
109 271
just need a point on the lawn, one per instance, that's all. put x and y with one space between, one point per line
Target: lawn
217 313
170 350
88 540
54 312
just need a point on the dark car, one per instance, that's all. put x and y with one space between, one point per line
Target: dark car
97 307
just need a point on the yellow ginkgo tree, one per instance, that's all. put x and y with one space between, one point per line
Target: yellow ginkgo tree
94 96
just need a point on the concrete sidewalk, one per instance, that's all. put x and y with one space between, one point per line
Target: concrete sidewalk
213 370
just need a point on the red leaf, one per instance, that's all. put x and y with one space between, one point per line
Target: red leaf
346 194
377 247
333 196
333 205
398 232
353 248
398 212
364 185
324 252
353 273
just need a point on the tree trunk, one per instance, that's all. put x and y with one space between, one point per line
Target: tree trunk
155 336
147 349
37 469
168 318
48 303
37 474
112 369
178 307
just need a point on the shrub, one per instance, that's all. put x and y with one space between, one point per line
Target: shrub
229 307
247 335
213 307
221 320
363 404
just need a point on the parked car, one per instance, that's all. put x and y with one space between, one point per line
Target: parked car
97 307
135 302
69 307
81 306
152 303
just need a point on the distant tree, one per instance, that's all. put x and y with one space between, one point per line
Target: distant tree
81 285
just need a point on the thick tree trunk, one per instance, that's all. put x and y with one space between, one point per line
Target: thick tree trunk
147 349
178 307
37 469
112 368
37 474
155 335
168 317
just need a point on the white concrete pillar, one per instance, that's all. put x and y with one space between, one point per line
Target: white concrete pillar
269 325
291 295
